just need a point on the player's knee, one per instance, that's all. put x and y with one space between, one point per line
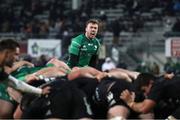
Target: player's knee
6 110
171 118
18 113
118 111
4 114
117 118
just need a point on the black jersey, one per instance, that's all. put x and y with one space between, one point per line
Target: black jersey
65 101
109 89
107 95
87 85
166 94
165 90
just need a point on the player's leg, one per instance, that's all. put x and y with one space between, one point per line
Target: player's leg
6 104
118 111
18 113
6 109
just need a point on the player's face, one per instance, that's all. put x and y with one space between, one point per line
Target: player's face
91 30
11 56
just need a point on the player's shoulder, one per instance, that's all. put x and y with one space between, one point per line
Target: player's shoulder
78 40
79 37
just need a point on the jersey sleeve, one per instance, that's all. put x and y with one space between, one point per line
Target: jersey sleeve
75 46
22 86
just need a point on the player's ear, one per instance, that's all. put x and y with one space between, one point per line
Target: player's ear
86 29
4 54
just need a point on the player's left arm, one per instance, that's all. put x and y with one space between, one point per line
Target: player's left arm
94 59
46 72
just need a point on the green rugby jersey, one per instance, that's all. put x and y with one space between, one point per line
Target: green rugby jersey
84 48
20 74
23 71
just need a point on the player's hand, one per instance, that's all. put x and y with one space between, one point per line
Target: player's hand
16 95
31 77
46 90
101 76
127 96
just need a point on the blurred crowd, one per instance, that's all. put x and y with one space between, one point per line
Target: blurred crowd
55 18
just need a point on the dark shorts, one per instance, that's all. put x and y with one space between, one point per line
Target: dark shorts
65 101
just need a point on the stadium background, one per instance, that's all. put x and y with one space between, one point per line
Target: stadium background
141 28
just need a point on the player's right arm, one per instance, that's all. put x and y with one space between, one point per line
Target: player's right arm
20 85
24 87
74 50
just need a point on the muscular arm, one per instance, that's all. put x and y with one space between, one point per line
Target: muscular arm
132 74
120 75
22 86
142 107
74 51
51 72
46 72
19 85
84 72
124 74
58 63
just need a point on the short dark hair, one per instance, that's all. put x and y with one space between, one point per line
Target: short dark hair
143 79
9 44
94 21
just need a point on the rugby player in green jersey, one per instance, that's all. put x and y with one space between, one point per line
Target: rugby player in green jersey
9 52
25 71
84 48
